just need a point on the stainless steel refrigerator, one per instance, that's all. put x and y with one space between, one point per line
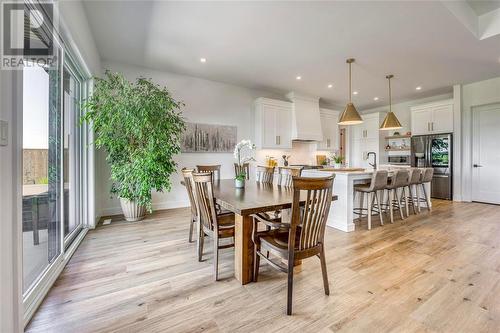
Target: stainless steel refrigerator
435 151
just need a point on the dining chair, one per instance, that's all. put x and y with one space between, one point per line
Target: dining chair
265 175
187 174
302 238
285 176
238 169
213 169
218 226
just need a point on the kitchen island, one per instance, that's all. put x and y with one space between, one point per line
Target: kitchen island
341 214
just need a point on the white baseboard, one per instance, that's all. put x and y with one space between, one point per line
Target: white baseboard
117 210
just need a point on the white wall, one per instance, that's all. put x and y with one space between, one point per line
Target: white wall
76 28
207 102
474 95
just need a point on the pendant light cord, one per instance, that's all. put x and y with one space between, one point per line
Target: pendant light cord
350 87
390 96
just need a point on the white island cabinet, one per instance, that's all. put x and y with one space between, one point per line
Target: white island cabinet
341 214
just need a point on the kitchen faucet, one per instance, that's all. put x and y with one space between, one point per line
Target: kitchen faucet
374 164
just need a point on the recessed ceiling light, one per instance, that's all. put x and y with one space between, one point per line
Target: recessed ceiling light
330 85
418 88
375 98
354 92
203 60
299 77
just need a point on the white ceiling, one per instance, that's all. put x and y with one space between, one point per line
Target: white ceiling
481 7
265 45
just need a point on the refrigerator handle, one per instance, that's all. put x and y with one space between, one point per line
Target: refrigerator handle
429 152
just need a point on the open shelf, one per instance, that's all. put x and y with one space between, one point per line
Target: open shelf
398 137
397 149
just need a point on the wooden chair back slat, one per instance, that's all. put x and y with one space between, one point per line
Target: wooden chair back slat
242 168
310 224
213 169
187 174
205 198
286 175
265 174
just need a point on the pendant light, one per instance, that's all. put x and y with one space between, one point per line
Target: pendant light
390 122
350 116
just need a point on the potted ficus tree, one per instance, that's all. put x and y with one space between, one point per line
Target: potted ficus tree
139 125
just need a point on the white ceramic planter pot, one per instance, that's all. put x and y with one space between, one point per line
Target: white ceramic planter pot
337 165
132 211
239 183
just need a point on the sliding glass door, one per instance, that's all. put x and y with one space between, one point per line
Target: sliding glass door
41 169
72 157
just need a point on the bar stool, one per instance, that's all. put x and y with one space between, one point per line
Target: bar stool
378 183
397 182
426 177
411 185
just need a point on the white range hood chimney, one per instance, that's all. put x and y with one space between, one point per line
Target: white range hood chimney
306 122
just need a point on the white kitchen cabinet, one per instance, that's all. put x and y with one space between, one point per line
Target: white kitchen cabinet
273 124
330 129
367 137
432 118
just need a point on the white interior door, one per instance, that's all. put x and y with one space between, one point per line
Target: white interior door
486 154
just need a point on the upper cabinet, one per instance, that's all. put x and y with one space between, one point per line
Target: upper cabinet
330 129
432 118
273 124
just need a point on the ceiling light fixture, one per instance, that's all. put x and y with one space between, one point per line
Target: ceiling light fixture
355 93
390 122
375 98
299 77
203 60
330 85
350 116
418 88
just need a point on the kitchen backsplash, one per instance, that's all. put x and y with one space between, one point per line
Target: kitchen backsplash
301 153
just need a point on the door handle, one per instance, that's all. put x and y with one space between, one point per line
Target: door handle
477 166
432 126
429 127
276 140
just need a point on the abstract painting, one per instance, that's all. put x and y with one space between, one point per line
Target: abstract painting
205 138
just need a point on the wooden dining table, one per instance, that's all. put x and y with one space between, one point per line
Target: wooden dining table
253 198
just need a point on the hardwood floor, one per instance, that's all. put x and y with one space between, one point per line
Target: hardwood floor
435 272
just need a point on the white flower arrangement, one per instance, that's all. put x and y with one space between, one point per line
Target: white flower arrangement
242 151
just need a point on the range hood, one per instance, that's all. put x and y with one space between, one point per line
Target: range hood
306 121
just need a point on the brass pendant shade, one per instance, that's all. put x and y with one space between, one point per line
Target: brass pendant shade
350 116
390 122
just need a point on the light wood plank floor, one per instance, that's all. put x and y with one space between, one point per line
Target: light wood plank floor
436 272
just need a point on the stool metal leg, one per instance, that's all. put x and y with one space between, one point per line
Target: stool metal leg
427 197
417 187
391 202
377 197
370 197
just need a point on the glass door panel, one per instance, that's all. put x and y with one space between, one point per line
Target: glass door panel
72 155
440 152
41 199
